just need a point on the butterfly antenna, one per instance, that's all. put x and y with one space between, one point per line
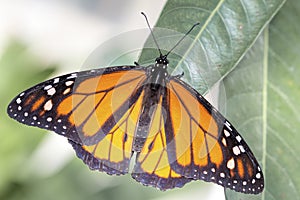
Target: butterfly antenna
152 33
182 38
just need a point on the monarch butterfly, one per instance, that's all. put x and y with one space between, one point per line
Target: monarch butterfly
112 114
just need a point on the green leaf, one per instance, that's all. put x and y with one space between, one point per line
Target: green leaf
281 157
228 29
262 99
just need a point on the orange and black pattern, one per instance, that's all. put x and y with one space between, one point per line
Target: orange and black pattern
110 115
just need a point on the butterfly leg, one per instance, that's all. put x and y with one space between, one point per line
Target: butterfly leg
179 75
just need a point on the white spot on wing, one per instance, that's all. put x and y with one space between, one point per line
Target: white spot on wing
68 83
51 91
227 134
49 119
56 80
47 87
224 142
48 105
74 75
242 149
18 101
236 150
231 164
67 91
238 138
222 175
227 124
258 176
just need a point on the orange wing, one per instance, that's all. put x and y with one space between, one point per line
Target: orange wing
203 145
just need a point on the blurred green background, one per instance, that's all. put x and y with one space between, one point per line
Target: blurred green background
42 39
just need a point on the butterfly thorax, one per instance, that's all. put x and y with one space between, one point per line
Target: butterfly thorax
154 90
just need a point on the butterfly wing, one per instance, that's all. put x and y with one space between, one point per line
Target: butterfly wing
202 144
96 110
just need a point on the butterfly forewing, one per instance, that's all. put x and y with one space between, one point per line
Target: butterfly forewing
70 104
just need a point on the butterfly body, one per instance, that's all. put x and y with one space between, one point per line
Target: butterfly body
154 87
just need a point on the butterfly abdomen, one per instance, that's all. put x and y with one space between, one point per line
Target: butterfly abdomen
151 100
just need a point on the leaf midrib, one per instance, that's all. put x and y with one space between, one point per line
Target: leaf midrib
265 101
200 33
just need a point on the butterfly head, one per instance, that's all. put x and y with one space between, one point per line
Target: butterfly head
162 60
158 72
